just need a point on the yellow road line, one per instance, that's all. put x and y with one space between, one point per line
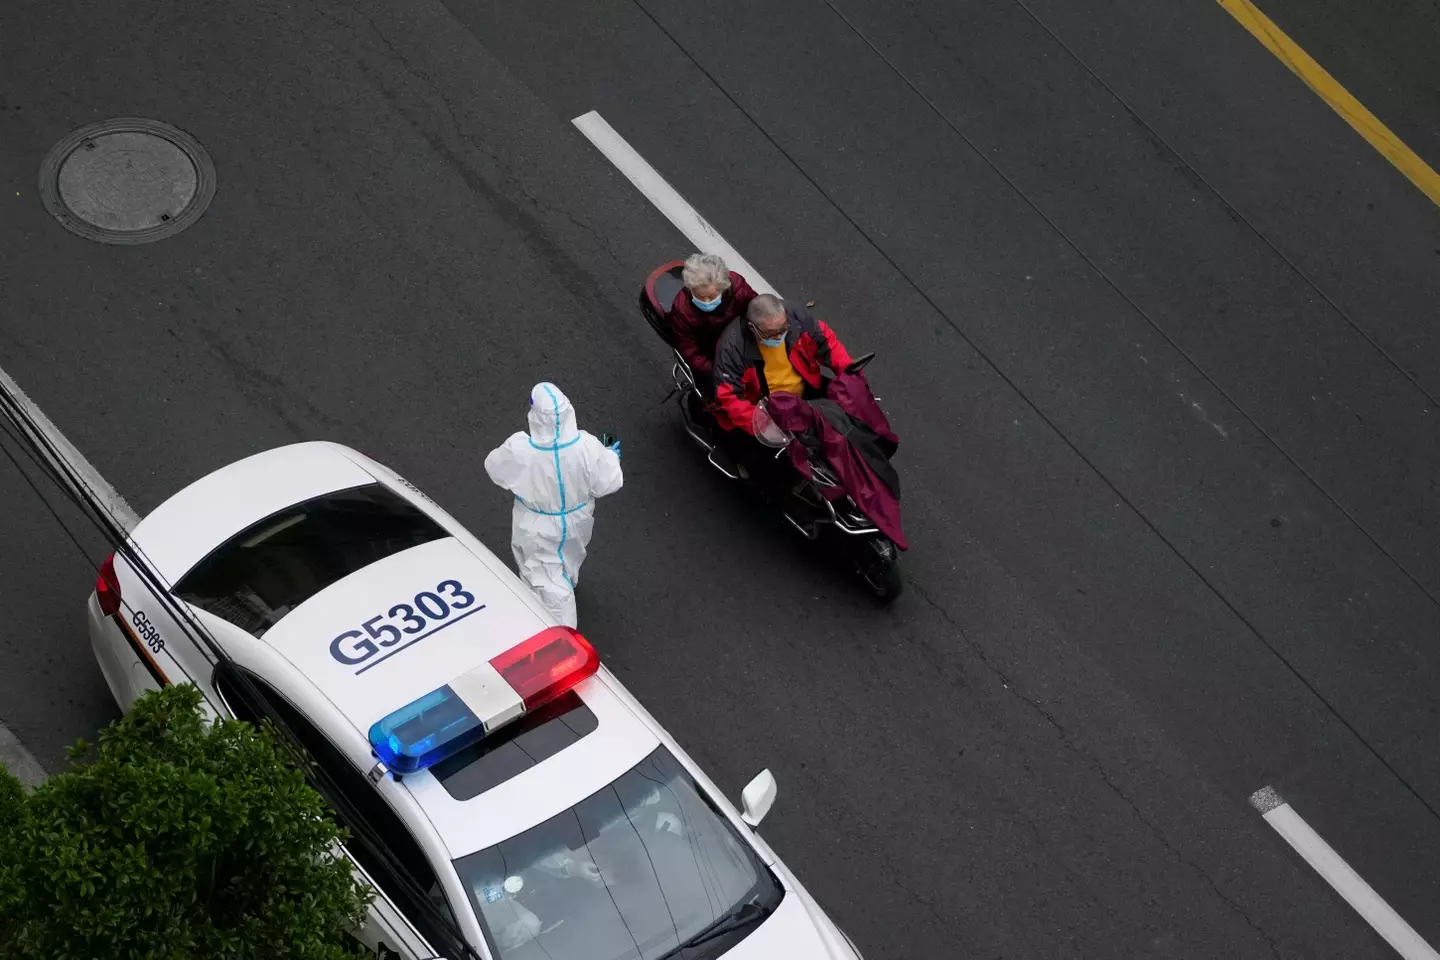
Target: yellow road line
1339 99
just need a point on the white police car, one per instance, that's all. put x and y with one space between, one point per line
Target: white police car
528 806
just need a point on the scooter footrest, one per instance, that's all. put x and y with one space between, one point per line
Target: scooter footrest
721 460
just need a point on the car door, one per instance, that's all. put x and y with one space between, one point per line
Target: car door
398 926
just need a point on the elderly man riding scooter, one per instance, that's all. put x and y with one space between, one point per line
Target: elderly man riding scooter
778 348
793 365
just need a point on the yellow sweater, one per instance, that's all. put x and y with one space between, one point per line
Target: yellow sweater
779 374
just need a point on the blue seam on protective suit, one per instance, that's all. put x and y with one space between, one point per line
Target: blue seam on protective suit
560 479
554 446
551 513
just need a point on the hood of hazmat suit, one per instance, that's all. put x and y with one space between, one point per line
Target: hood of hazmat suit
556 472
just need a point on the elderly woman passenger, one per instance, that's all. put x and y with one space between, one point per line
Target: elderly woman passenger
711 298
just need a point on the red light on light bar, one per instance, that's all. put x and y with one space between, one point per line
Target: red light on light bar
547 665
107 588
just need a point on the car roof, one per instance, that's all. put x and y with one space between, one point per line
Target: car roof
498 619
184 529
310 636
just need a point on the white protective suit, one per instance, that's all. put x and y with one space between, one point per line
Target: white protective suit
556 472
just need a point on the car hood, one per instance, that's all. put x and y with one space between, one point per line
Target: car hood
793 932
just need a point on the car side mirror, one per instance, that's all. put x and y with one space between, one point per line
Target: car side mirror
757 798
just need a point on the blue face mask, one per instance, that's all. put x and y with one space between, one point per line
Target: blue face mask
777 342
708 305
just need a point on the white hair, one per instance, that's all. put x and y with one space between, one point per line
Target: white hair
704 270
767 306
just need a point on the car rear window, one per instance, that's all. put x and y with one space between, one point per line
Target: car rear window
515 748
268 569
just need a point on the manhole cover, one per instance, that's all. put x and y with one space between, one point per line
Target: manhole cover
127 180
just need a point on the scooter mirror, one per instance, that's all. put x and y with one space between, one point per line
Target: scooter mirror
859 364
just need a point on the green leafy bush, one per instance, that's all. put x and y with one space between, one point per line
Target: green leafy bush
177 839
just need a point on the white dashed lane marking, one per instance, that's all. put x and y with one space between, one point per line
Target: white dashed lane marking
1336 872
665 197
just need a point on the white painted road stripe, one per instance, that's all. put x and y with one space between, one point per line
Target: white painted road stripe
665 197
1339 875
99 490
19 761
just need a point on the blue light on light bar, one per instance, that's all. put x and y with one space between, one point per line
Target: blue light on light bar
425 732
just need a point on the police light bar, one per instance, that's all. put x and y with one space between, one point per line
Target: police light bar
475 704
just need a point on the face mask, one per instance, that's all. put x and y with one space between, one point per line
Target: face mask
777 342
707 305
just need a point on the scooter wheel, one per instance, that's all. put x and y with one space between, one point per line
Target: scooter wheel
878 562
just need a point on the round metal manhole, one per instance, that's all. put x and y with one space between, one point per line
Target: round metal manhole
128 180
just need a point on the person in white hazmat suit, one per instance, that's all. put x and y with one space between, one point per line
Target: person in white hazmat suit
556 472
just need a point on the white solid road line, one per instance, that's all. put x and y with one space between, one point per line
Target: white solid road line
13 754
665 197
99 489
1339 875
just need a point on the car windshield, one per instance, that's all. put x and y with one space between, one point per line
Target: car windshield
632 872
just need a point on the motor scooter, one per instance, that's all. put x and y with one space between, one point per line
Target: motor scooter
806 507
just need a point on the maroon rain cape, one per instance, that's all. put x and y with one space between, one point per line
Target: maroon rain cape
871 494
851 391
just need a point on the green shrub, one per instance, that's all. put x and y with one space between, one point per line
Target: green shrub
174 838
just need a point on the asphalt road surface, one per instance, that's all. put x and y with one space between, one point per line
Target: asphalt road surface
1157 329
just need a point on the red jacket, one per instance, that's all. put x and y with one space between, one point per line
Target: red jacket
696 332
740 370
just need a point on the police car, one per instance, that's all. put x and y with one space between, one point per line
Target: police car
529 808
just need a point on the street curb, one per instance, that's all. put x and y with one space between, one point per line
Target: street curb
19 761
